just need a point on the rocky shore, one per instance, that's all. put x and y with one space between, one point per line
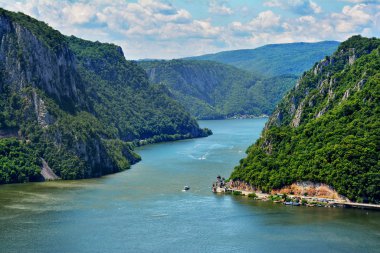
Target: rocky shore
301 193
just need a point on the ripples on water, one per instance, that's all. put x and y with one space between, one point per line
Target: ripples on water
145 210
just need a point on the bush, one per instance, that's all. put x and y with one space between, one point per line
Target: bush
236 193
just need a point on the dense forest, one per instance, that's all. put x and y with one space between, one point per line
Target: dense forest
326 129
79 105
275 59
214 90
236 83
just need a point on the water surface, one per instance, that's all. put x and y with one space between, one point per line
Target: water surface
144 209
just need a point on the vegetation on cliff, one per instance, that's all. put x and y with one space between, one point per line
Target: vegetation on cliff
326 129
275 59
240 82
213 90
77 104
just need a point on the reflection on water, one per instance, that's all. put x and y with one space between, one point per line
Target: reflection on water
145 210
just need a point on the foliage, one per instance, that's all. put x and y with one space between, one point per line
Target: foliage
337 141
18 162
50 37
121 96
212 90
275 60
237 193
116 107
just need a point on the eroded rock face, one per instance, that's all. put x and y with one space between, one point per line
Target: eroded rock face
321 112
352 56
310 189
346 94
27 61
319 67
43 116
297 117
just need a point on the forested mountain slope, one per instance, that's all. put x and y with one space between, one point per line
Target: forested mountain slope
275 59
240 82
326 129
78 105
214 90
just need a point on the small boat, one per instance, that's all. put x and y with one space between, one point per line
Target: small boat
186 188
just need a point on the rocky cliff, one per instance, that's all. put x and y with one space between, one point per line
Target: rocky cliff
27 60
76 105
215 90
325 130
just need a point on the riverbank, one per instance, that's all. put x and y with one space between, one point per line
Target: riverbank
147 204
298 194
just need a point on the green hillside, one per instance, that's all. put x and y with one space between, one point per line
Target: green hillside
79 105
214 90
326 129
275 59
240 82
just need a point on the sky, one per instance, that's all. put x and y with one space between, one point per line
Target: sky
167 29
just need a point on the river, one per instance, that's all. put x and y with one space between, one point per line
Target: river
144 210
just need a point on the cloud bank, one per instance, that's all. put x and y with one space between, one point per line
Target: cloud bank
167 29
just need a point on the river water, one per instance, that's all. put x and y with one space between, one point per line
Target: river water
144 210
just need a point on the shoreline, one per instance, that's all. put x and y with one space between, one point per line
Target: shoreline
291 199
296 200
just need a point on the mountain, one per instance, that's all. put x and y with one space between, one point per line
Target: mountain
75 108
233 83
326 130
275 59
214 90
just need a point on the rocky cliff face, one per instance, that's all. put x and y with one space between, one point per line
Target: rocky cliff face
325 129
76 105
196 79
214 90
317 89
27 61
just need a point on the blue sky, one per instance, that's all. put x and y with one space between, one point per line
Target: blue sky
169 29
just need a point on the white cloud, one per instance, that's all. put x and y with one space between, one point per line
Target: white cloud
219 8
273 3
158 29
361 1
79 13
265 20
298 6
353 18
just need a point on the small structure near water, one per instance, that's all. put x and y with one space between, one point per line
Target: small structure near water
219 185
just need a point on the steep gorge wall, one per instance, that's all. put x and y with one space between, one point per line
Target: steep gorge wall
26 60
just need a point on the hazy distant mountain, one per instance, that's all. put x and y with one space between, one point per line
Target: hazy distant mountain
275 59
243 82
212 90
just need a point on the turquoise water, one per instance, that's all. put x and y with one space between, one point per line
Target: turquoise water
144 209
